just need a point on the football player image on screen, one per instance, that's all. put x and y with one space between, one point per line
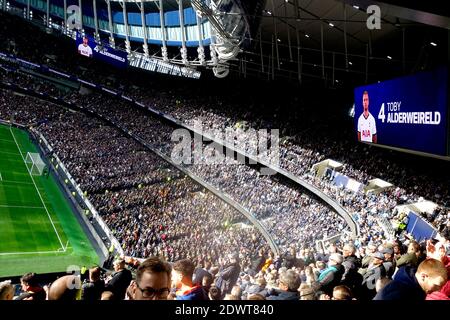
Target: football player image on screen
84 48
367 128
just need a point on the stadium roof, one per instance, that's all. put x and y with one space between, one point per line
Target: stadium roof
410 39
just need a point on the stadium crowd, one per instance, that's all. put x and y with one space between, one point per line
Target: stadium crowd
154 210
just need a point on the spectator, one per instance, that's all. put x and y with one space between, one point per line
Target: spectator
331 276
93 289
182 272
411 257
351 278
389 262
289 283
229 274
6 290
215 293
413 284
374 272
65 288
236 292
31 288
381 283
342 293
153 280
120 280
259 287
207 282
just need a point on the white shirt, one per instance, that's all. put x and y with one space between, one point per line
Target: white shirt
367 127
85 50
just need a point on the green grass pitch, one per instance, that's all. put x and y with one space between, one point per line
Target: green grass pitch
38 230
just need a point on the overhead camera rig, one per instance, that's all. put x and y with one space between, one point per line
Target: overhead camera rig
228 27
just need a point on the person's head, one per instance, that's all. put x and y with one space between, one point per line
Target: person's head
348 250
85 41
119 264
236 291
6 290
107 295
388 254
431 275
335 259
94 274
182 272
371 248
362 251
381 283
207 280
256 296
397 249
309 271
233 258
292 251
342 293
365 98
28 281
332 248
64 288
306 292
260 281
289 281
214 293
321 265
377 258
153 278
414 247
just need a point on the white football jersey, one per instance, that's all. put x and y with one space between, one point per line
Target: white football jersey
367 127
85 51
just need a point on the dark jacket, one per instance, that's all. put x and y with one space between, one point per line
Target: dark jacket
92 291
199 274
351 278
195 293
255 289
403 287
370 277
227 277
257 264
290 261
329 278
119 283
283 295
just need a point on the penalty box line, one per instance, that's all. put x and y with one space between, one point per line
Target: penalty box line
39 193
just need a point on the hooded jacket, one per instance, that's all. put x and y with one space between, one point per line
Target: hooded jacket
403 287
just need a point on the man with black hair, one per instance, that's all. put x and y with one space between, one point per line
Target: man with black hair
182 281
31 288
